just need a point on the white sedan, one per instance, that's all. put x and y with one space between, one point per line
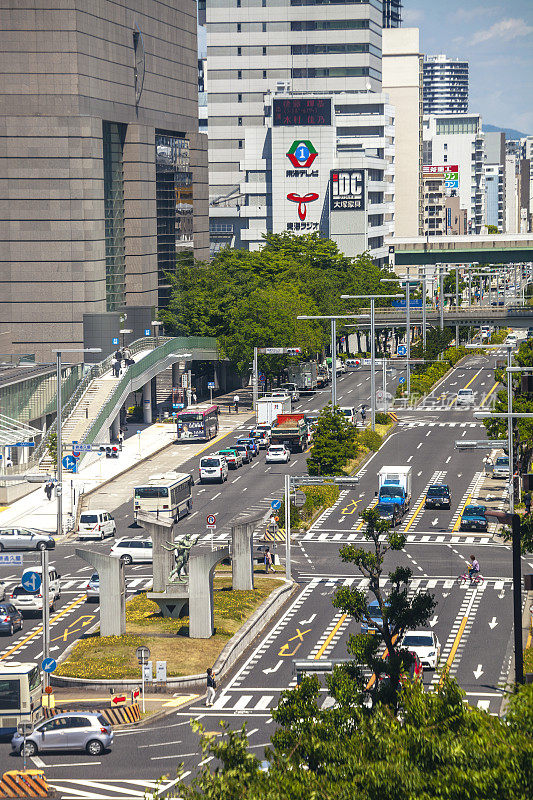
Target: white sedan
425 644
278 453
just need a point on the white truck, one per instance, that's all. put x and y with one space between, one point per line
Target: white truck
304 375
394 487
268 408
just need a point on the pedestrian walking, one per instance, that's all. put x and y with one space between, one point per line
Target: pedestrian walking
48 488
211 687
115 364
118 354
236 401
126 354
268 560
194 398
527 503
120 438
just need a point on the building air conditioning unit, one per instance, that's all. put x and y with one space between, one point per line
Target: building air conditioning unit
283 86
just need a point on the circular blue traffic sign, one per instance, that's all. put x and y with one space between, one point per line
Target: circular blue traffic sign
401 380
69 462
276 504
48 664
31 581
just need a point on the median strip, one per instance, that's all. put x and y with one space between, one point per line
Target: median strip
417 512
462 626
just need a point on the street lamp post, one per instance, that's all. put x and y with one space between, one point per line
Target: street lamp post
122 332
157 324
372 298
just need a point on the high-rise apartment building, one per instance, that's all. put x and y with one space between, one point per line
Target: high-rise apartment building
103 169
445 85
301 56
494 168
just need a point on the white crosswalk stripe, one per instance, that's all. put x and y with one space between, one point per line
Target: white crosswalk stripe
340 537
70 789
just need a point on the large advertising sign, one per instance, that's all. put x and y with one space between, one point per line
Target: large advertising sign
347 189
450 173
299 111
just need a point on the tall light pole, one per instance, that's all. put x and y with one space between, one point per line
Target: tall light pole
333 318
372 298
157 324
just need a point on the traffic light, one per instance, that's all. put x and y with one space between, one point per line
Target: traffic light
294 351
110 450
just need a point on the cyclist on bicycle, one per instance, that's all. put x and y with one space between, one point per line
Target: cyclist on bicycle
473 571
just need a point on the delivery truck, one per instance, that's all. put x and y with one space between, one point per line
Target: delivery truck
290 430
394 487
304 375
268 408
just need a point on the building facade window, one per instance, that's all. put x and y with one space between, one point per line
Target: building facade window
114 134
334 72
174 201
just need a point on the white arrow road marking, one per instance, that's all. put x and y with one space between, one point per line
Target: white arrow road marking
478 672
435 521
273 669
307 621
493 623
433 621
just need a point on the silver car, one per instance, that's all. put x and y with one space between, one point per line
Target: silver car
24 539
69 731
93 588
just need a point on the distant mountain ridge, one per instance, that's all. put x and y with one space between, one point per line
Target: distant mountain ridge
510 133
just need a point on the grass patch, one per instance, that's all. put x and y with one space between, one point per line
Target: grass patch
528 660
113 657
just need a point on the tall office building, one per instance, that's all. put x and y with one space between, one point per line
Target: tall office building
104 173
392 13
270 71
494 168
445 85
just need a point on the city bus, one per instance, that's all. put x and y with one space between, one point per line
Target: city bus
197 423
167 496
20 695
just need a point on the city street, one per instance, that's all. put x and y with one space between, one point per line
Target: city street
473 624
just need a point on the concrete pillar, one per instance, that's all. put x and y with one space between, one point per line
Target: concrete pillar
242 568
201 571
161 532
115 428
112 591
147 403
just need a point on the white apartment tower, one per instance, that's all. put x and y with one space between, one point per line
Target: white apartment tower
445 85
263 51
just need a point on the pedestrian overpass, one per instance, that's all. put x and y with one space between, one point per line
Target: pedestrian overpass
503 317
500 248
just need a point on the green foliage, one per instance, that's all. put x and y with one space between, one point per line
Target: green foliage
492 229
334 443
51 446
382 418
249 299
316 497
449 284
371 439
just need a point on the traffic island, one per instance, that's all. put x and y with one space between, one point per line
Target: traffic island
111 661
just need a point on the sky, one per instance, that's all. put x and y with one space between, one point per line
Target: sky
496 38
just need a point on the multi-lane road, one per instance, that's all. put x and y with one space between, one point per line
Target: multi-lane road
473 624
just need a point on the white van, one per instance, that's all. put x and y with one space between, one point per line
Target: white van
350 414
32 601
96 524
213 467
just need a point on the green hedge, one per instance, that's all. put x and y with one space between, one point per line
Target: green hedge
315 497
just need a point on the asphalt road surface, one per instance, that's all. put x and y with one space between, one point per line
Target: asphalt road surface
473 624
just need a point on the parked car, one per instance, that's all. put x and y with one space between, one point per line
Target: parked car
465 397
93 588
132 551
213 467
72 730
244 451
278 453
375 617
292 389
426 646
96 524
501 467
24 539
438 496
474 518
341 367
233 457
252 442
391 512
10 619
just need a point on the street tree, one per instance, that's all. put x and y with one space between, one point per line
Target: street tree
398 611
334 443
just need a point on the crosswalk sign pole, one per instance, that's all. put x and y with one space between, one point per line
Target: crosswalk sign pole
288 528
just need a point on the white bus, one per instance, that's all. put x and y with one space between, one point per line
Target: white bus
20 695
167 496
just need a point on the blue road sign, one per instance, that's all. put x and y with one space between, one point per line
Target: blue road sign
402 350
69 462
31 581
147 332
114 340
11 559
211 384
401 380
48 664
276 504
23 444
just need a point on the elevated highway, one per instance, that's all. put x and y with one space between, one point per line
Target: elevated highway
506 317
501 248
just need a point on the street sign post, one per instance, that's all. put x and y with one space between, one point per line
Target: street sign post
401 380
24 729
70 462
211 526
11 559
299 499
276 505
32 582
143 654
402 350
211 386
48 665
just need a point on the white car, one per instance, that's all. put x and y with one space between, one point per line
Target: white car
341 367
96 524
350 414
278 454
501 467
512 339
132 551
425 644
26 600
465 397
213 468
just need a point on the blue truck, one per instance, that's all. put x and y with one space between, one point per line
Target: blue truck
394 487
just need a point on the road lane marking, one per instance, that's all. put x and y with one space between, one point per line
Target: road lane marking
331 635
38 630
458 636
458 520
489 394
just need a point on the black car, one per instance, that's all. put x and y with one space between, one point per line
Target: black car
10 619
438 496
474 518
390 512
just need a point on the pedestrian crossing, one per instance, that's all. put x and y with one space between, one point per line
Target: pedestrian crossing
77 585
421 423
107 789
348 536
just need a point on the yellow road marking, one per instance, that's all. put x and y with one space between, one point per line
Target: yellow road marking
449 660
372 680
458 520
489 394
70 629
415 515
351 507
299 635
40 628
467 385
374 503
330 637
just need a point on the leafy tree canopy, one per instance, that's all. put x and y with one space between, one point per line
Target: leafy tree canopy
334 443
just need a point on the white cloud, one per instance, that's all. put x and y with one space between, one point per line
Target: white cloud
412 16
504 30
475 12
